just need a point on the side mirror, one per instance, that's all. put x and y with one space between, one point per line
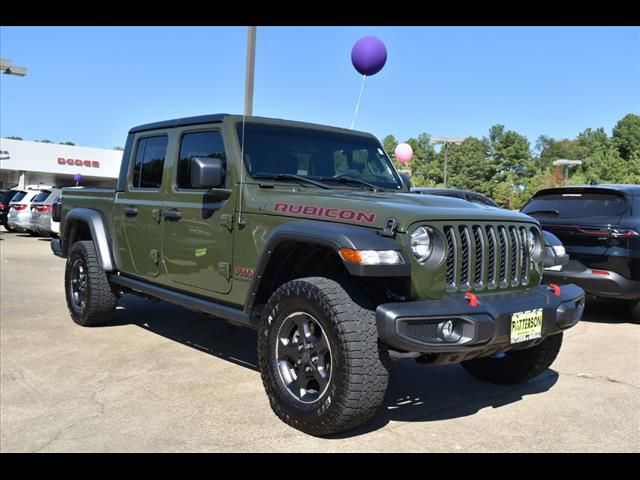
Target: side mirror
406 179
56 211
207 172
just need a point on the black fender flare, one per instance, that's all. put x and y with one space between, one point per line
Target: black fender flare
334 236
99 233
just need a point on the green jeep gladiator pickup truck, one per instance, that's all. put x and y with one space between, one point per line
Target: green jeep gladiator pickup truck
308 234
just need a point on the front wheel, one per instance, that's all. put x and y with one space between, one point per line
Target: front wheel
516 365
90 299
320 358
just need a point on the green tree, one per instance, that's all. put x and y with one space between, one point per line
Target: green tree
13 137
626 136
44 141
67 143
118 148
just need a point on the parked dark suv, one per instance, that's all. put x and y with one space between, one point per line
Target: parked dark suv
600 228
467 195
5 197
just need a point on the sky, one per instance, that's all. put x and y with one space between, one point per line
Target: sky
90 85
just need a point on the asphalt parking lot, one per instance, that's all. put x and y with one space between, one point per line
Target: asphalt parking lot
164 379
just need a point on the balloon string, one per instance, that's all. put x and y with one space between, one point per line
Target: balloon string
355 114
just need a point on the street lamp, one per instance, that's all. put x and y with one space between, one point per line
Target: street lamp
446 141
7 67
569 163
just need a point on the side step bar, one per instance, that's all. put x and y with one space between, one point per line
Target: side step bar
233 315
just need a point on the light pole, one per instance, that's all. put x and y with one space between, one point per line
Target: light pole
446 141
7 67
569 163
250 70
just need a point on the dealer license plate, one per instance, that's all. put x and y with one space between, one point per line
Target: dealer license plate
526 325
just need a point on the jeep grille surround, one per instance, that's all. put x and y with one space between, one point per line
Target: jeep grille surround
486 257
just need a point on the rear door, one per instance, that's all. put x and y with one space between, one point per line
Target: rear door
137 209
197 228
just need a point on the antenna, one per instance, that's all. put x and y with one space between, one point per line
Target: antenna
248 106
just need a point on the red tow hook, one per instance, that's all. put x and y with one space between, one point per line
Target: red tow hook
555 288
472 299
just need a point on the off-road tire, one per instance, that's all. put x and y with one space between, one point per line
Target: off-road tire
100 302
359 377
517 365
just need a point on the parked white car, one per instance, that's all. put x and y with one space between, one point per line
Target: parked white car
19 216
41 208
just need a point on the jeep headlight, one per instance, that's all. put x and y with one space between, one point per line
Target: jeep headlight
421 244
534 245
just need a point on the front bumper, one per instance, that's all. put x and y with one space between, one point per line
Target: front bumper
609 285
484 329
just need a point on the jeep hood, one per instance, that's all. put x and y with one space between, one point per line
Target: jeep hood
371 209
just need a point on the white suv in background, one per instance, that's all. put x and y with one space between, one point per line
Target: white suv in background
41 209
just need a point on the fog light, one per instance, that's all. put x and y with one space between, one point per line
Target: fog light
449 331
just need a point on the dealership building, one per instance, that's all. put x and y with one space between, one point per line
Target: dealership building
25 163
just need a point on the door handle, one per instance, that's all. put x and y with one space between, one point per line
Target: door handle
172 214
130 211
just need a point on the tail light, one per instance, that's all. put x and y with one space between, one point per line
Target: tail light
43 208
624 232
1 206
20 206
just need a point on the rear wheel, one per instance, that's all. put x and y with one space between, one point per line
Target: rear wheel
89 296
516 365
9 229
320 358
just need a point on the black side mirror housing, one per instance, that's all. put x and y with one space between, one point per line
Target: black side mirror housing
407 180
56 211
207 172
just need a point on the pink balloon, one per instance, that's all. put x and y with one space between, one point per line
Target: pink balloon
404 152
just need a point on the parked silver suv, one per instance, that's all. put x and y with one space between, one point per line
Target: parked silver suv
41 208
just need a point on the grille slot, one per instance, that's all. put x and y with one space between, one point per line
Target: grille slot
486 257
420 330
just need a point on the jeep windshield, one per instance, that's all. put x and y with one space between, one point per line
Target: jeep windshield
334 158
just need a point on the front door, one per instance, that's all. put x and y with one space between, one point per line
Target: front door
137 210
197 228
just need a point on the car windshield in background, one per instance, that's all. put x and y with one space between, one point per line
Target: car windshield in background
576 205
331 157
41 197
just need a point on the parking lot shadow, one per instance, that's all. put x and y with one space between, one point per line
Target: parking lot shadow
600 310
207 334
416 393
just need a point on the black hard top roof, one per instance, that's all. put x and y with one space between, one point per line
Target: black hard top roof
219 117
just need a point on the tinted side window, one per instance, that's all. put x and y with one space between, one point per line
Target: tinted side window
197 144
149 162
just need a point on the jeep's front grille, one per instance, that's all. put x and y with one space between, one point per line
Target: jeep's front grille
486 257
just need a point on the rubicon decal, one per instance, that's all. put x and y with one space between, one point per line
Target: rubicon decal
243 273
76 162
323 212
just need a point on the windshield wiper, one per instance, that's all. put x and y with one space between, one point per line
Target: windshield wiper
554 212
291 176
347 178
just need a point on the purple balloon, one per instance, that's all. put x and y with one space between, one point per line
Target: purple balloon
369 55
77 178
